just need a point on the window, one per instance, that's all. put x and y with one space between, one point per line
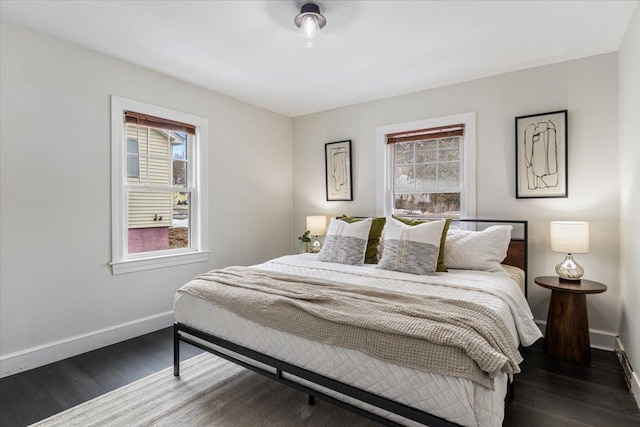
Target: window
158 187
427 171
427 168
133 161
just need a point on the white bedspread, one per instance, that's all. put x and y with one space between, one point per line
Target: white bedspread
455 399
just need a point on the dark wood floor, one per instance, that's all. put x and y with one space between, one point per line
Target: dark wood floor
548 393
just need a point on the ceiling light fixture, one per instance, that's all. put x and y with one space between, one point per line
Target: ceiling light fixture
310 21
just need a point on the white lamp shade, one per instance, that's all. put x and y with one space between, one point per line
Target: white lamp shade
317 225
570 237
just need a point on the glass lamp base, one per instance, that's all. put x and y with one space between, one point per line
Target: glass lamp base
569 270
315 246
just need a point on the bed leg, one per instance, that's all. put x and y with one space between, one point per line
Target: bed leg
511 391
312 400
176 351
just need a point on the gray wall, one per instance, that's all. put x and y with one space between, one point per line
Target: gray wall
629 86
56 284
588 88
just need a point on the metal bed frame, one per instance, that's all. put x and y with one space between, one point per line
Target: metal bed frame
280 367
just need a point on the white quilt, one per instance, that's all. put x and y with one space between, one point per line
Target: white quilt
455 399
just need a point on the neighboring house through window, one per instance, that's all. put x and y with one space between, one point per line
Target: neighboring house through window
133 161
427 168
159 199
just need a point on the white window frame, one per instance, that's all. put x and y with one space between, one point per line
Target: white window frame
386 168
198 251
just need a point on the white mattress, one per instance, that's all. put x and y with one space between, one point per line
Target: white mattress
455 399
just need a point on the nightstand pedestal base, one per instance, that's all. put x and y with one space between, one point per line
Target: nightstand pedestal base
566 337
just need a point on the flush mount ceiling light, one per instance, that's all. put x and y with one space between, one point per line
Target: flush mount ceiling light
310 21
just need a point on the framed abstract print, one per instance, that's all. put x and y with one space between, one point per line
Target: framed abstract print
541 155
337 156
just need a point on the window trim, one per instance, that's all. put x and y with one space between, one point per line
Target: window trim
199 250
384 194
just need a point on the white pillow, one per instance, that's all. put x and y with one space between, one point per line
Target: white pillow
345 243
477 250
411 248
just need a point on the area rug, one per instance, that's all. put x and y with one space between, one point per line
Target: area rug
209 392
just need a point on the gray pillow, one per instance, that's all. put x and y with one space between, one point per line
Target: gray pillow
345 243
411 249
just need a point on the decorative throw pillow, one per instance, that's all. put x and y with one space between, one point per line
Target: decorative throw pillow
373 242
411 249
442 267
345 243
477 250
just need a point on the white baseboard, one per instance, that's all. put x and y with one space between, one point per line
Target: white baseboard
52 352
635 388
630 374
601 340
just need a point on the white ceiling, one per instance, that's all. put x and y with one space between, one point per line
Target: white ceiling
249 50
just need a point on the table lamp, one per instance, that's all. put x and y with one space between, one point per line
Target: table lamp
317 226
569 237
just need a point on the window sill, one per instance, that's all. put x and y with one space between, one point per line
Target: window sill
150 263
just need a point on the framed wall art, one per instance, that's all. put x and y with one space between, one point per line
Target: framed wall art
337 157
541 155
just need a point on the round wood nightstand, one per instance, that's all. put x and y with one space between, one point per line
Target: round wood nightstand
566 337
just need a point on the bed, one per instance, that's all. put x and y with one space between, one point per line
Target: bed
393 394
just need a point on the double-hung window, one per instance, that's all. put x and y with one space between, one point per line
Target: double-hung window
428 168
158 187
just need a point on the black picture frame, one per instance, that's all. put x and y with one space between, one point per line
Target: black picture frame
338 171
542 155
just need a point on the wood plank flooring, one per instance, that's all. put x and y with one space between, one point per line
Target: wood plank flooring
548 393
33 395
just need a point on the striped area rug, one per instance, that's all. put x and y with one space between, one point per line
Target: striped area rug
209 392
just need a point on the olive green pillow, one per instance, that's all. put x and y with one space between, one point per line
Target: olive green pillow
373 243
410 221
